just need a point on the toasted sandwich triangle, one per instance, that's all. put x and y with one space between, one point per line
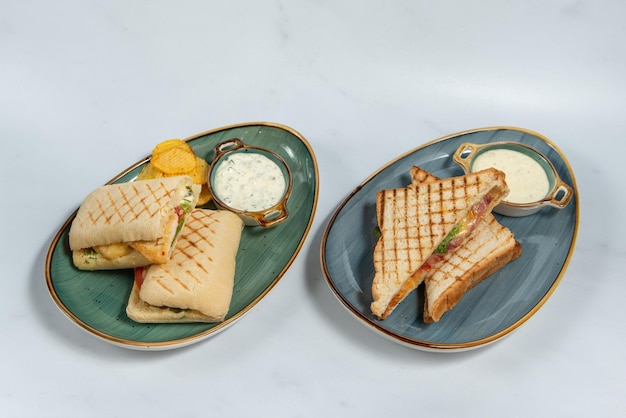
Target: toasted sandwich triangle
490 247
413 222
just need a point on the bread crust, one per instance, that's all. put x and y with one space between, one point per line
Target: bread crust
140 311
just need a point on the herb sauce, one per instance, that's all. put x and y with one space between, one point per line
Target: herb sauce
249 181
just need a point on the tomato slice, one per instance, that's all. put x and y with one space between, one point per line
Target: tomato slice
139 276
179 211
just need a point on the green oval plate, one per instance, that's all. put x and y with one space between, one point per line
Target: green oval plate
96 301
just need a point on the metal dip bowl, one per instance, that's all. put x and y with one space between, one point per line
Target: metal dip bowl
276 212
556 194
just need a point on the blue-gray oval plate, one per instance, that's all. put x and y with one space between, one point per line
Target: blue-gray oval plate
494 308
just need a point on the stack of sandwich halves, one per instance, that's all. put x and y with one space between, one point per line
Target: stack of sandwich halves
439 232
183 256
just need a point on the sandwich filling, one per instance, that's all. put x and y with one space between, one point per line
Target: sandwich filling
459 232
186 205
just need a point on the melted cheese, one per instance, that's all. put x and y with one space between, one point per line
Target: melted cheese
113 251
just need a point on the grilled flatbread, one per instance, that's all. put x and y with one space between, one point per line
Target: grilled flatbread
422 222
196 283
131 224
490 247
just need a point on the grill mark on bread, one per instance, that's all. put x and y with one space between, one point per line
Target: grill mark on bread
182 284
191 245
127 199
101 212
164 287
395 224
380 210
110 207
155 195
430 206
142 201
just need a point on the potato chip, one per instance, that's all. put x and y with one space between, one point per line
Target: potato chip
200 173
149 171
174 157
169 144
205 195
175 160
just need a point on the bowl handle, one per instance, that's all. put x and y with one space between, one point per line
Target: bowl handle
561 194
226 146
272 216
464 154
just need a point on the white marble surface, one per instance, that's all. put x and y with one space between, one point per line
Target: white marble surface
88 87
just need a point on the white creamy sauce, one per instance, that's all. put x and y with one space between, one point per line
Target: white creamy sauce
249 181
525 177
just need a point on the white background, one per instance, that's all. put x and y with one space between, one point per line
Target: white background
87 88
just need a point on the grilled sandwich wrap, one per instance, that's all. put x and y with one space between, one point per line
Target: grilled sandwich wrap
131 224
419 224
196 283
489 248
